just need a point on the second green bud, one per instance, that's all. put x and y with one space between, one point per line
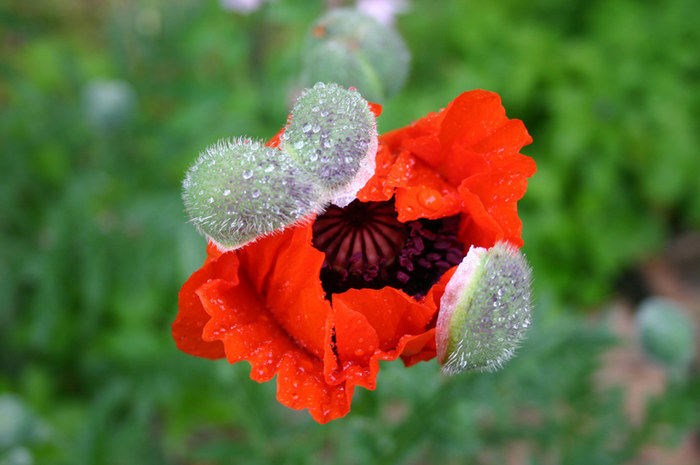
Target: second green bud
332 135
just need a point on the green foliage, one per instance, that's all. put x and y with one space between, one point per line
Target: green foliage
94 242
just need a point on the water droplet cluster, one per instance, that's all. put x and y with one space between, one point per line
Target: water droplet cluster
485 310
239 190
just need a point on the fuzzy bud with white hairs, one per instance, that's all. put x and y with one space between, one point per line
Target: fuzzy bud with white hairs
239 190
485 310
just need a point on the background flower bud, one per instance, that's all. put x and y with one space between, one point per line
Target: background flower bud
108 103
239 190
666 333
332 135
485 310
355 50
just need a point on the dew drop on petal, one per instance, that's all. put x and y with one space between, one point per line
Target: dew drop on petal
430 199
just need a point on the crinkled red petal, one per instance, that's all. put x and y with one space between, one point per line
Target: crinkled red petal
422 193
300 385
370 325
191 318
377 189
471 117
291 284
462 159
491 199
272 313
241 320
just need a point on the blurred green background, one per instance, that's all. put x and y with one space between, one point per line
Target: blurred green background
94 243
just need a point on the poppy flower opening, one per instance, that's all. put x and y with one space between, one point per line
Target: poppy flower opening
320 304
367 247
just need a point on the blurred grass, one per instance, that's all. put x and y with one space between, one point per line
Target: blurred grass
95 245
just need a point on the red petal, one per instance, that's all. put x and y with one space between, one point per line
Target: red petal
425 194
353 344
390 312
420 348
249 332
497 194
285 269
376 189
375 108
276 139
300 384
371 325
478 227
191 318
471 117
240 320
421 136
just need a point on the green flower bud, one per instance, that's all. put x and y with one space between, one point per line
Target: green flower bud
239 190
485 310
332 135
666 333
355 50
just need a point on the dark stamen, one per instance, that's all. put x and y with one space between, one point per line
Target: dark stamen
367 247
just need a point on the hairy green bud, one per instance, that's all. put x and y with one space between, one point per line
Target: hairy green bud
332 135
485 310
239 190
355 50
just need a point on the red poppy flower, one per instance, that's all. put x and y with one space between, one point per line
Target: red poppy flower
319 305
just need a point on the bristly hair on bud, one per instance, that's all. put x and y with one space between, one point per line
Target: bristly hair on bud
239 190
332 135
485 310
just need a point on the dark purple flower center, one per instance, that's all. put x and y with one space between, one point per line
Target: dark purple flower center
366 246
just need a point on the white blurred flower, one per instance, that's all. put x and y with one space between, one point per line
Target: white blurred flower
383 11
241 6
